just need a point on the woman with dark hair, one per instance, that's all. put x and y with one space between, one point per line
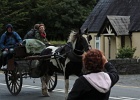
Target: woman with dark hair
95 84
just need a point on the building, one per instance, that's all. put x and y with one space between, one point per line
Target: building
114 24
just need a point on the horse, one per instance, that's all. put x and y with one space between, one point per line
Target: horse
66 59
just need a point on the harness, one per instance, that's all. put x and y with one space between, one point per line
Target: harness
69 52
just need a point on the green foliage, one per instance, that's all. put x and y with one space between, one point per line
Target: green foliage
126 52
59 16
15 12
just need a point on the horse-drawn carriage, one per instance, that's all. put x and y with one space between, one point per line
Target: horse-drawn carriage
65 59
22 65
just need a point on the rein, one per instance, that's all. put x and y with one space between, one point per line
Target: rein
68 49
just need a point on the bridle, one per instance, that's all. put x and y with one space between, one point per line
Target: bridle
79 38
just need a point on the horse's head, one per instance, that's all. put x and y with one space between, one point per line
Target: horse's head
85 39
80 41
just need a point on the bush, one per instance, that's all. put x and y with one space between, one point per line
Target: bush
125 52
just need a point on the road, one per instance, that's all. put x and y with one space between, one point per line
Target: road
128 88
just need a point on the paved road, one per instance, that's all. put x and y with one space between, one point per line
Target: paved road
121 91
129 80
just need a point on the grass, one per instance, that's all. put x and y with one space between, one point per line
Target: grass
57 42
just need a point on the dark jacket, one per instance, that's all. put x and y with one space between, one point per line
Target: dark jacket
94 86
30 34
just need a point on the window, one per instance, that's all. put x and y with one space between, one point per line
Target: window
97 43
122 41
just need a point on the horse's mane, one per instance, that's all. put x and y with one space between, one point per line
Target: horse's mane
72 36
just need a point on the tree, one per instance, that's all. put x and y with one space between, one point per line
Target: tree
64 15
16 13
59 16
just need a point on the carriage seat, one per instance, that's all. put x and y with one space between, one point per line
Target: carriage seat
30 47
20 52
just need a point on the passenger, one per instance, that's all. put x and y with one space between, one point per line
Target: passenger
95 84
31 34
41 34
8 41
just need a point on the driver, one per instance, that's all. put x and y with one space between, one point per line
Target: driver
8 41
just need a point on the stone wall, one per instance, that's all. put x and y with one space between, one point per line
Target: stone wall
127 66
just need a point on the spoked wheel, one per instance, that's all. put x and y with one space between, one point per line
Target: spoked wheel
52 82
14 81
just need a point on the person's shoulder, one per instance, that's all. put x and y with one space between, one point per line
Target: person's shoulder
32 31
14 32
4 34
35 30
82 82
81 78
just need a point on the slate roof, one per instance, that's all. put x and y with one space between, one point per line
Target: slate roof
119 24
113 7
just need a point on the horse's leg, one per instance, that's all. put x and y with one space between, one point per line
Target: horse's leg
44 81
66 78
66 86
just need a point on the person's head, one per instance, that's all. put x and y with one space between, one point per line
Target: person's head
9 28
41 28
36 26
93 60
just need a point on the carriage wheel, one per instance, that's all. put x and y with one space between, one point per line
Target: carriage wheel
52 82
14 81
